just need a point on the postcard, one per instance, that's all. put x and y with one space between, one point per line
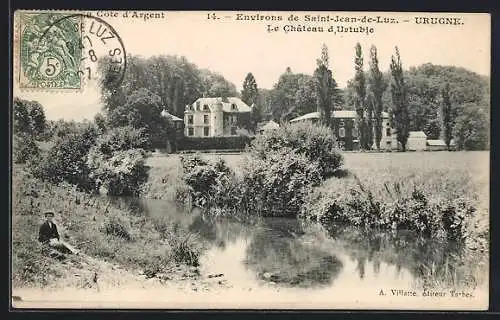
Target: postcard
250 159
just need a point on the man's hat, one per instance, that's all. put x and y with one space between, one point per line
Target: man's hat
48 213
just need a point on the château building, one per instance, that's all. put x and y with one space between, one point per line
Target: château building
346 131
216 117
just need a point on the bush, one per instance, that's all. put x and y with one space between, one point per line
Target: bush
428 215
316 143
67 160
116 226
278 184
123 138
122 173
209 184
24 148
215 143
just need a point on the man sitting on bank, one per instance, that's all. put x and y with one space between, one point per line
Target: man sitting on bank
49 235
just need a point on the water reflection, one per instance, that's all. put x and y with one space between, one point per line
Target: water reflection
277 253
287 253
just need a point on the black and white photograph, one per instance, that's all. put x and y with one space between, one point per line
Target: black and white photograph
250 160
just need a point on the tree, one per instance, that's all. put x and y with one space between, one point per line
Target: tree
29 117
66 160
433 129
294 94
326 87
368 123
360 95
399 101
446 115
471 128
250 92
215 85
377 87
250 95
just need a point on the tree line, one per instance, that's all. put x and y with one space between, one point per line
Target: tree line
445 102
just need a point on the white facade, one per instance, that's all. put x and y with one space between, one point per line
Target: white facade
213 117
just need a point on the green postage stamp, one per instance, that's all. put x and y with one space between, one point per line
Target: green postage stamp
50 50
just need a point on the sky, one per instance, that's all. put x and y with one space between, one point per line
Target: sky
234 48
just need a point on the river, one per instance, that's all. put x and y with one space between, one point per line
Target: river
288 254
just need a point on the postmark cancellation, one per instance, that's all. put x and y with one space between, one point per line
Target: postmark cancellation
61 50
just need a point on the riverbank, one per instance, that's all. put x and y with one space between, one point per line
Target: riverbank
117 247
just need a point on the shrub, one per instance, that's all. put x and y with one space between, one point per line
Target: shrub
316 143
122 173
427 215
277 184
67 160
24 148
209 183
123 138
117 226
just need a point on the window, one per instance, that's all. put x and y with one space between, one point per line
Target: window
205 107
233 106
190 132
388 132
354 132
206 131
388 143
205 118
341 123
342 132
198 104
190 119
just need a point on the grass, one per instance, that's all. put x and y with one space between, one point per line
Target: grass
94 225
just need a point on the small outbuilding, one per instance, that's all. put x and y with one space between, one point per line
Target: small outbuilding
417 141
439 145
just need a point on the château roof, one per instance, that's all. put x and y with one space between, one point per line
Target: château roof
227 106
336 114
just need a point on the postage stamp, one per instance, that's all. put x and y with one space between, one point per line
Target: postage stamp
250 159
60 50
51 53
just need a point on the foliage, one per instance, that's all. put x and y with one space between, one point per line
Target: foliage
67 160
250 92
215 143
24 148
123 138
428 215
432 129
175 80
377 86
360 96
446 115
122 172
215 85
277 184
142 110
471 129
400 101
316 143
99 228
250 95
209 183
29 117
116 225
326 88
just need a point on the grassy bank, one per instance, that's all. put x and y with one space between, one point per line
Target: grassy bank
102 231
